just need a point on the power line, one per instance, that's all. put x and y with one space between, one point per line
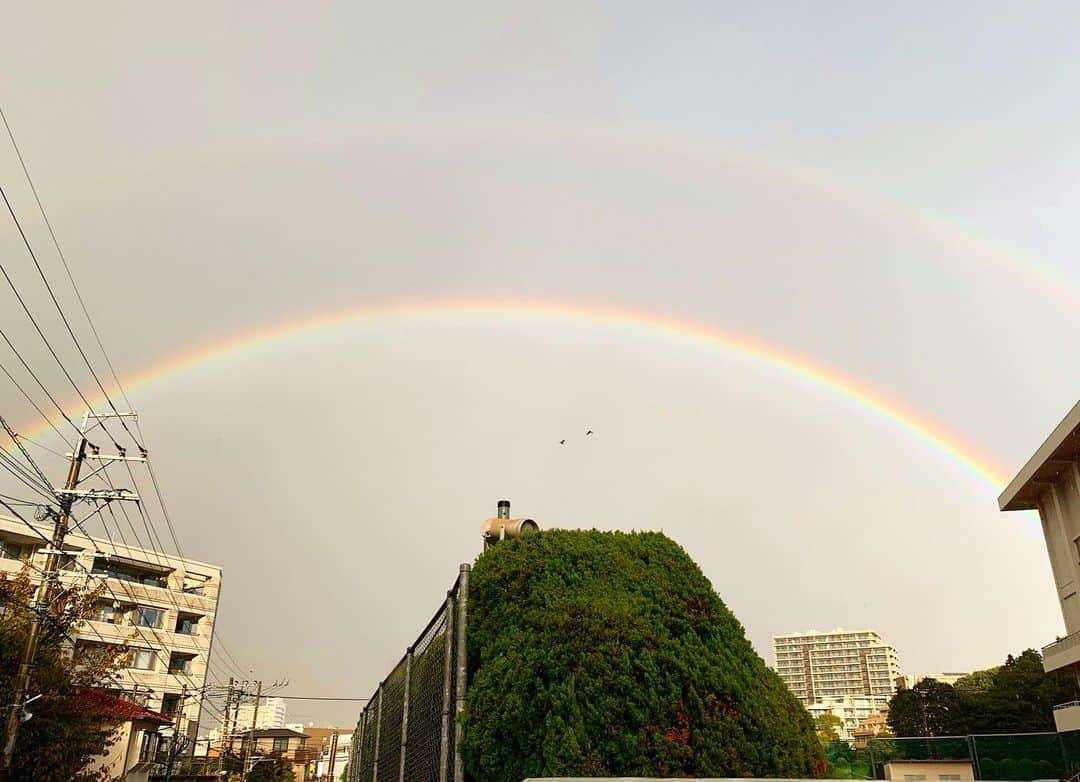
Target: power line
40 412
26 366
15 439
314 698
33 320
48 286
40 445
63 259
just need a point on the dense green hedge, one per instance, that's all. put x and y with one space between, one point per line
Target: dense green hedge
609 654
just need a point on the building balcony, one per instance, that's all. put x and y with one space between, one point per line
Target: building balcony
1062 653
1067 716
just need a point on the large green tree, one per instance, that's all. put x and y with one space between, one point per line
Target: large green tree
1017 697
930 708
828 727
609 654
67 727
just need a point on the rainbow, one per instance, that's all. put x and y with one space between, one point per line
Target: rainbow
862 394
1011 263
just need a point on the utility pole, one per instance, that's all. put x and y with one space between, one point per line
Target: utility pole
175 735
50 577
225 723
250 738
333 757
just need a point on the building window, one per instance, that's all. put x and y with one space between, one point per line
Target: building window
111 612
170 704
281 744
129 572
187 625
180 663
914 777
142 659
949 777
145 616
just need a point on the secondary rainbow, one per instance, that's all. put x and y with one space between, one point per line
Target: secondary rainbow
917 425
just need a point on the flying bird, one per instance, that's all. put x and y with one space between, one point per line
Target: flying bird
562 442
588 433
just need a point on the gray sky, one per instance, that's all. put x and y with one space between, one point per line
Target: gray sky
889 190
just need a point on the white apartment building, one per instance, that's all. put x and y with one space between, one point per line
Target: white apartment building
840 663
907 681
271 715
850 710
162 607
1050 484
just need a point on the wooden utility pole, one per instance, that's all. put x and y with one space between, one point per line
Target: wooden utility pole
176 734
225 724
250 739
333 756
50 577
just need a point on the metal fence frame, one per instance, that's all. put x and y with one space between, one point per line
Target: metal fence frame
384 749
1048 754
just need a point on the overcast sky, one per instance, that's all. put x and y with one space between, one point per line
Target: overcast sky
888 190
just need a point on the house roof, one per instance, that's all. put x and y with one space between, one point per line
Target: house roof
929 760
274 733
112 707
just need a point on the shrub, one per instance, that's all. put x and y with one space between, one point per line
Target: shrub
609 654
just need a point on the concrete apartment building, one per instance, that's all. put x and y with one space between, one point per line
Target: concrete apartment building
1050 484
907 681
837 664
162 607
851 710
272 713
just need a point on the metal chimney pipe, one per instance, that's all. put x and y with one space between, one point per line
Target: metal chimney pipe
504 509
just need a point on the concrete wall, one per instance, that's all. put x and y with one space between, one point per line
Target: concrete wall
931 771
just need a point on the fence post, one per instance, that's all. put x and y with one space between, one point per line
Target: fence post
405 712
357 747
462 668
974 756
448 665
378 731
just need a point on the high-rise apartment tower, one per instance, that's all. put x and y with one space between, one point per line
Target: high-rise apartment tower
840 663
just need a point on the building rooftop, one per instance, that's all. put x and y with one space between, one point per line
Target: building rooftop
274 733
1054 456
834 631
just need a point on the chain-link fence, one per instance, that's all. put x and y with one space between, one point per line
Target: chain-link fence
1004 756
409 729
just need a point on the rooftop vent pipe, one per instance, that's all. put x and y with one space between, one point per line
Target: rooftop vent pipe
502 526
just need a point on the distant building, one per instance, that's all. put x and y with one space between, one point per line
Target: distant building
852 711
333 758
907 681
271 714
161 606
930 770
1050 484
870 728
268 744
841 663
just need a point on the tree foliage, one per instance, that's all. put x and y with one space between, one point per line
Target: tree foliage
272 771
828 727
930 708
57 743
1017 697
609 654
